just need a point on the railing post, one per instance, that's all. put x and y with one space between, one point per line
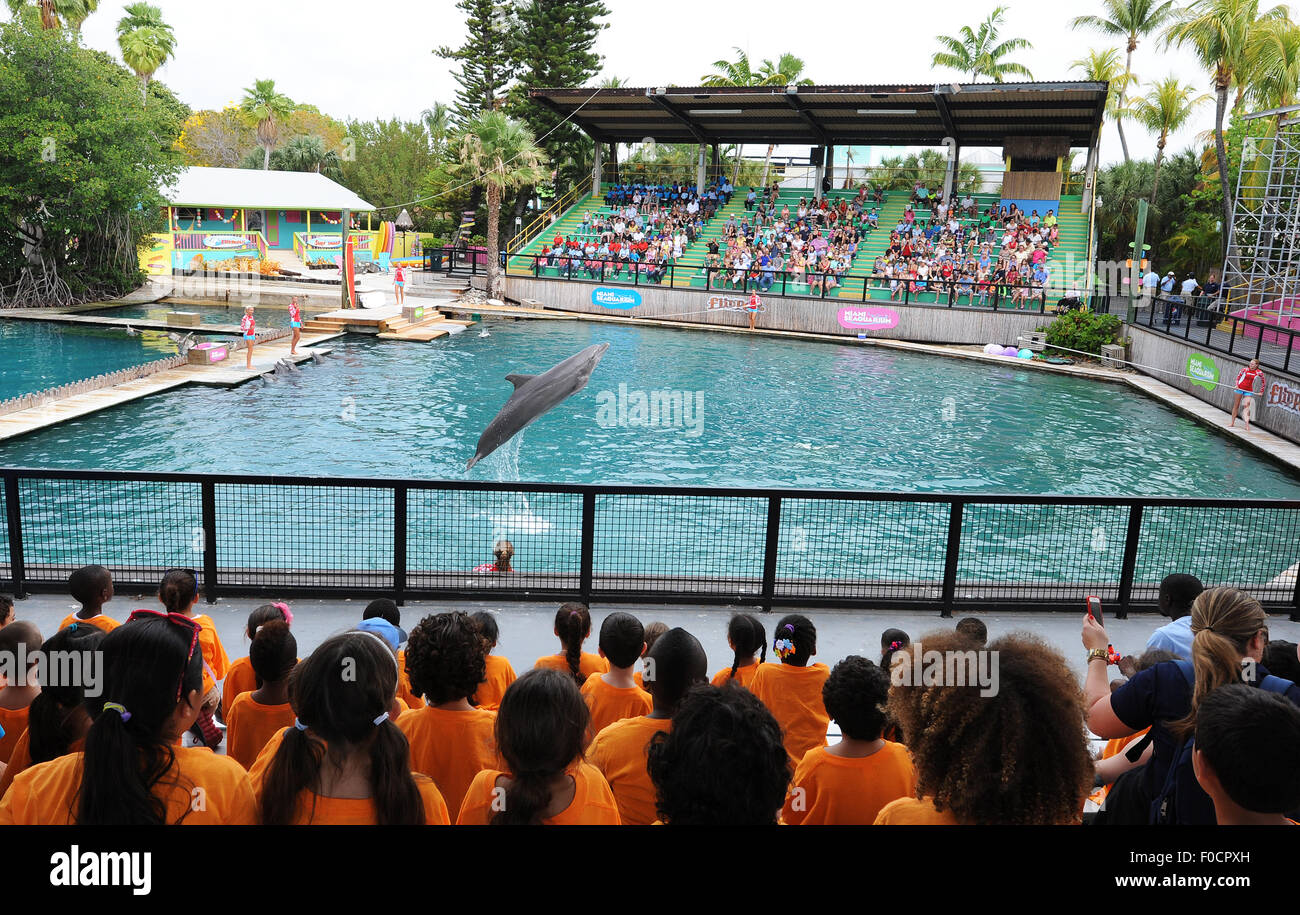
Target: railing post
208 500
1129 564
588 546
771 551
950 557
1232 336
399 543
14 520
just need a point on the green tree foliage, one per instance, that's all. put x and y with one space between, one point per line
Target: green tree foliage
979 54
392 162
146 41
1082 331
80 168
486 58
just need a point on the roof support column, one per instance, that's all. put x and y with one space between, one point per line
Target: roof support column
597 168
830 169
820 172
699 170
1090 176
950 173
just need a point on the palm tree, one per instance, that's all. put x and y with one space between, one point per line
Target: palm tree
736 72
75 12
1105 67
437 120
613 82
978 51
267 108
787 71
1167 107
1221 33
1275 57
307 154
146 42
500 154
1130 20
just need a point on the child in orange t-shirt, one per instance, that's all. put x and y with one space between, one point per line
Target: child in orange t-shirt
541 730
56 720
150 693
258 715
240 677
748 640
451 740
20 646
344 761
652 632
572 626
848 784
620 750
7 614
92 587
179 593
792 690
385 609
614 696
499 673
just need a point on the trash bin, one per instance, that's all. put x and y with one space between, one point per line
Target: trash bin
433 260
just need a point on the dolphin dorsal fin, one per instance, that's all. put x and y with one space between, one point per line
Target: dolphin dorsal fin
519 380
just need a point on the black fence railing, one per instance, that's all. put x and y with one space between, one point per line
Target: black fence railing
637 544
785 283
1274 346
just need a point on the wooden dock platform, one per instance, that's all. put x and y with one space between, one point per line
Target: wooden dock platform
225 374
387 323
59 317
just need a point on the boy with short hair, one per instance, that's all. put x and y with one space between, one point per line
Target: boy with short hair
92 587
1246 755
385 609
614 696
19 642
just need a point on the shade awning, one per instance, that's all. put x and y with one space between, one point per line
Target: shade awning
261 190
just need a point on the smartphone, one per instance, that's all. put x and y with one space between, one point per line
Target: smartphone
1094 607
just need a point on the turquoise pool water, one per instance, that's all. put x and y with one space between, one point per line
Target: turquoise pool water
208 314
770 413
762 413
35 355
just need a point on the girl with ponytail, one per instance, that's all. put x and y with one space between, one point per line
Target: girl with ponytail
572 626
344 761
132 772
1229 635
257 716
179 594
746 638
792 690
541 734
56 722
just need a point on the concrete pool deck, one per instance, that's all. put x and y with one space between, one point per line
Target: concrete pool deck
224 374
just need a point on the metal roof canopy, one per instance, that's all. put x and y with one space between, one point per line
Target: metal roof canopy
975 114
260 190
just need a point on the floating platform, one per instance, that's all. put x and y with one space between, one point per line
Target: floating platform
387 323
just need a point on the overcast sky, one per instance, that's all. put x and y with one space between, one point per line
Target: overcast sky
375 60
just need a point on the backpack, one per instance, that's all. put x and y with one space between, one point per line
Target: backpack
1181 788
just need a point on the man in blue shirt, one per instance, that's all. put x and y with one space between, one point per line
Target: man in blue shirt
1177 592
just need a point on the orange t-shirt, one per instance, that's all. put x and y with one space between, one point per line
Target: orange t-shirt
22 758
318 810
593 803
251 724
794 697
404 691
107 623
619 752
451 747
908 811
214 655
46 794
588 665
831 790
14 722
240 678
613 703
744 675
500 674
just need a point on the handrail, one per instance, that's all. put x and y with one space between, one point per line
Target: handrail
542 220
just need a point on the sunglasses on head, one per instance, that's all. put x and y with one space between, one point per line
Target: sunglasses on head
176 619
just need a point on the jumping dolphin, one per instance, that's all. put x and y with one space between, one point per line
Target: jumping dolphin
534 395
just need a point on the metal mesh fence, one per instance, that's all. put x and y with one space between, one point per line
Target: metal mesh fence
680 544
137 529
451 535
1256 550
1040 552
6 571
841 548
304 536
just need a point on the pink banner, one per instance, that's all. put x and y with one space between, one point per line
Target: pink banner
868 318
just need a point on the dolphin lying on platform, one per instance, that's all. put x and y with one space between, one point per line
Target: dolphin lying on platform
534 395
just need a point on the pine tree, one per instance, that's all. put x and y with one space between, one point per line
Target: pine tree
486 62
553 47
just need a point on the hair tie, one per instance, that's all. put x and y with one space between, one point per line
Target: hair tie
783 647
284 608
381 719
894 646
297 722
72 627
120 709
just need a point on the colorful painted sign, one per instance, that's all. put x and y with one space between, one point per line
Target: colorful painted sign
1284 396
727 303
324 241
1203 371
225 241
156 254
620 299
859 317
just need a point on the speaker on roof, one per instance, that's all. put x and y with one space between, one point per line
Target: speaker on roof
816 155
